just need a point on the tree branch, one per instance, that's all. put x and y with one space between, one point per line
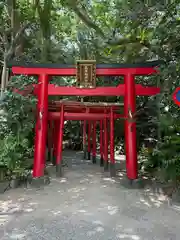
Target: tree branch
85 18
18 35
89 22
83 15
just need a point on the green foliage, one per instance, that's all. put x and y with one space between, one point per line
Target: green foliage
13 153
164 159
17 123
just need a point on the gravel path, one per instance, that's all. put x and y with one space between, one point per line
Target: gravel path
86 204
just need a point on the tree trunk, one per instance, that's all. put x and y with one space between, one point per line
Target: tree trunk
16 26
44 13
3 77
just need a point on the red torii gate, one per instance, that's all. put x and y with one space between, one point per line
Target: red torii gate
129 90
89 113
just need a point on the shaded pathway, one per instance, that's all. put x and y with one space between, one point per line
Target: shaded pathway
86 204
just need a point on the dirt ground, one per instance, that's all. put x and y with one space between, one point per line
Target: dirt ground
87 204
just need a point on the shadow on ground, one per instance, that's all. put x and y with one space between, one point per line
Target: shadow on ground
86 204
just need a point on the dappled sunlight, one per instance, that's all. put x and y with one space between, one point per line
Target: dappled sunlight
82 211
91 233
175 207
155 201
75 196
90 175
143 201
11 209
84 198
109 179
60 180
76 189
99 229
111 210
152 199
122 233
97 222
128 236
28 210
86 180
93 182
126 233
121 175
16 236
4 218
56 212
63 180
88 214
95 231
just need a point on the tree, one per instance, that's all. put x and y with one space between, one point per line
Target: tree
13 34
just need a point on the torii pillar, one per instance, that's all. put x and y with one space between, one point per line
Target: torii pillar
41 127
130 126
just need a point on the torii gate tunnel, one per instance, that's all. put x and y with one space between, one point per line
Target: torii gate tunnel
129 90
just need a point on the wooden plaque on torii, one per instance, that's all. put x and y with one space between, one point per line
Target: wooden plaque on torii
86 74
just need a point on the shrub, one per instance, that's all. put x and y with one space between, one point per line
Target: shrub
17 125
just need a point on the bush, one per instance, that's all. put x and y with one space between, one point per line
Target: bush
164 160
17 126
